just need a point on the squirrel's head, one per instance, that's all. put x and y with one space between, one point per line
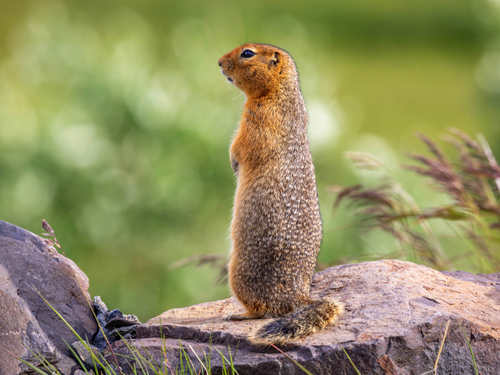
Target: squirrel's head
259 69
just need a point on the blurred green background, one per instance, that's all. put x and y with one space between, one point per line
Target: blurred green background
115 121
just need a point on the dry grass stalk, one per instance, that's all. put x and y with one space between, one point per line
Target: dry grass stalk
217 261
51 239
472 182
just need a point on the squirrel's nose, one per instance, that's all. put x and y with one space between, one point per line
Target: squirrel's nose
220 61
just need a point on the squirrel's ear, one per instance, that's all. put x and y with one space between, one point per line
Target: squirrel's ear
276 59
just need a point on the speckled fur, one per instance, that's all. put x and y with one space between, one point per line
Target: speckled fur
276 227
304 321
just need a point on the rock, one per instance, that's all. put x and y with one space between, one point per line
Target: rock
28 265
113 324
119 323
87 355
395 318
114 314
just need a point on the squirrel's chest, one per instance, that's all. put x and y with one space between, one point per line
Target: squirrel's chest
250 151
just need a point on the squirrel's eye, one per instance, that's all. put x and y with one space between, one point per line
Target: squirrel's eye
247 53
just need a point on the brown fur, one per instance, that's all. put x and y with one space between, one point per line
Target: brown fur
304 321
276 227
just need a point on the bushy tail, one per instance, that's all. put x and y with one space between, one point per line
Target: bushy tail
302 322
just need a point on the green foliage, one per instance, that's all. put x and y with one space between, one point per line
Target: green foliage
115 121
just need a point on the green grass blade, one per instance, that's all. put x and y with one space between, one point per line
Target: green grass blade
224 370
189 365
69 326
293 360
233 370
40 371
77 357
181 360
151 362
349 358
470 349
39 359
229 362
199 359
46 364
137 357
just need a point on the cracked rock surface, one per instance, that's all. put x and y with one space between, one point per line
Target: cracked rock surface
28 265
395 318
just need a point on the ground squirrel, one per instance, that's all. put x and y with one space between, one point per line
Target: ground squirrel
276 226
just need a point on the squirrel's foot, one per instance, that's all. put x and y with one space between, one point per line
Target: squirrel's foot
244 316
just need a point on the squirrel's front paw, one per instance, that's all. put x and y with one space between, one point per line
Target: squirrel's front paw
227 318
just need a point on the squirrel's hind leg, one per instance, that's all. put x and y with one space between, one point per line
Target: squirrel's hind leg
245 316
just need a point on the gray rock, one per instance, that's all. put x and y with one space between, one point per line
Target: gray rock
28 265
87 355
113 324
395 318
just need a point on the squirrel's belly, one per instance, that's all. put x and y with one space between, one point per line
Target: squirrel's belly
276 234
